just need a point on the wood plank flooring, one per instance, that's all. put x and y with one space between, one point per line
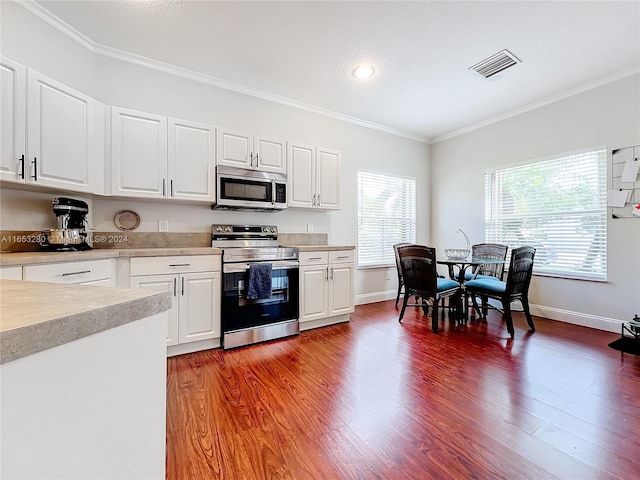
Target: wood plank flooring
376 399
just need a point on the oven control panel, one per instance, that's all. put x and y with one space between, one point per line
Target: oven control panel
256 230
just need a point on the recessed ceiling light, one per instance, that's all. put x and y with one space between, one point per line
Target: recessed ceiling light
363 72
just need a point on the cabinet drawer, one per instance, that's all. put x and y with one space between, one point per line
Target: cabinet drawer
11 273
174 264
341 256
314 258
70 272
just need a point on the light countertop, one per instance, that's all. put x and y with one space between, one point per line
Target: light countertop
35 316
31 258
321 248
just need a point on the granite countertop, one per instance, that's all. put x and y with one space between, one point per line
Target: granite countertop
31 258
55 314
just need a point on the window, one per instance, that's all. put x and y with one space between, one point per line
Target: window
556 205
386 215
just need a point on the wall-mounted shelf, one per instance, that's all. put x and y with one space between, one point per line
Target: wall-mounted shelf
619 158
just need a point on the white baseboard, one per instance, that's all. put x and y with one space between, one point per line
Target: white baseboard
567 316
376 297
577 318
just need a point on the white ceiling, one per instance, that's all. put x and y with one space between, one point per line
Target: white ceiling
304 52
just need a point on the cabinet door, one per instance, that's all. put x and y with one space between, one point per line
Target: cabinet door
234 148
340 289
313 292
270 155
138 154
11 273
328 183
60 134
191 160
12 120
199 306
163 283
301 176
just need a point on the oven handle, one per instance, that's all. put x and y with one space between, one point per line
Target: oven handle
243 267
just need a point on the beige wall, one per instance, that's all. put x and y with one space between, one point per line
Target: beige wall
608 115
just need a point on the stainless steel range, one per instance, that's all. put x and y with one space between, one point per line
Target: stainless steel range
260 292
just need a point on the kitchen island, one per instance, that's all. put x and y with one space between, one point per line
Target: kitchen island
83 375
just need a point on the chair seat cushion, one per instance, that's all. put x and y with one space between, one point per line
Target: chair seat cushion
469 276
488 284
446 284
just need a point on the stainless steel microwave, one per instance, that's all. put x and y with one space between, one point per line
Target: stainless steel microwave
240 188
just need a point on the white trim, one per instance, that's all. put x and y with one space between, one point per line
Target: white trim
535 105
549 158
139 60
577 318
375 297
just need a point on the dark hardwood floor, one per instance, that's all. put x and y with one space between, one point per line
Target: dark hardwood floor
378 399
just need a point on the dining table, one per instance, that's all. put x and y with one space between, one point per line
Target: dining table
462 265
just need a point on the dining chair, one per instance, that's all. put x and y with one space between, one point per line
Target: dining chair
399 269
516 287
488 251
418 264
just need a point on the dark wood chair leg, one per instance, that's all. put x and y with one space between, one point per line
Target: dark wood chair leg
434 316
404 306
506 305
527 314
398 295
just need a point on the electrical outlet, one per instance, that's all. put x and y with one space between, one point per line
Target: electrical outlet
388 275
309 227
163 225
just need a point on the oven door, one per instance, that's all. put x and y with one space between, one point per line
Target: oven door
239 312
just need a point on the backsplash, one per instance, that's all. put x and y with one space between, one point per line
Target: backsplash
29 241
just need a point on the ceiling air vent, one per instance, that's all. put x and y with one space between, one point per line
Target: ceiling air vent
495 63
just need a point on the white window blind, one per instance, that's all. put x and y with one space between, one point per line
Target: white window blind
557 206
386 215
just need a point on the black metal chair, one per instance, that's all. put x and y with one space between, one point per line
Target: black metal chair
515 288
418 264
399 269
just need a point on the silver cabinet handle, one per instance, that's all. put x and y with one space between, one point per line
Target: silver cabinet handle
175 286
318 203
35 169
171 189
342 256
251 159
314 200
257 161
21 160
182 293
315 258
75 273
331 273
179 264
326 274
164 187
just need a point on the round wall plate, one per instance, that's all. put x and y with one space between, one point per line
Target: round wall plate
127 220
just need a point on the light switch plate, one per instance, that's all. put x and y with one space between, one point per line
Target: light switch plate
163 225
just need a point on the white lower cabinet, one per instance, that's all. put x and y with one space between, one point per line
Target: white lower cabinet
87 272
195 283
11 273
326 287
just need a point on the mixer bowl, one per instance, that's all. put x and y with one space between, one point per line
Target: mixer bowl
66 236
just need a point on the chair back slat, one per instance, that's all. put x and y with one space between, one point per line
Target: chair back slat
490 251
398 267
520 271
419 272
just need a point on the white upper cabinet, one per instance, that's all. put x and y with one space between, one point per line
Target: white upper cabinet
246 150
191 160
48 132
138 153
328 179
314 177
301 180
153 156
12 118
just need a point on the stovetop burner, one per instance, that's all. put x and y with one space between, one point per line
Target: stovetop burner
80 247
250 243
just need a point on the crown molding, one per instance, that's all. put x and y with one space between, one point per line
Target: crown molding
541 103
122 55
